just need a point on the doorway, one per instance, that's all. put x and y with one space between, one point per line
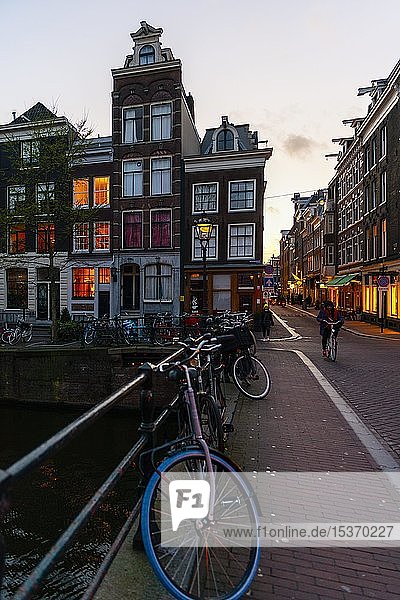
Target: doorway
130 287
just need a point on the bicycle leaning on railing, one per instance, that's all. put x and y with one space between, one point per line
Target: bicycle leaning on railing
201 568
22 332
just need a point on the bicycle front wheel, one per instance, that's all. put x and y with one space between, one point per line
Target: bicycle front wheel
251 377
333 349
211 422
209 571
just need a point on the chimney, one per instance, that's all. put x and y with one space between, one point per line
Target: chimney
190 103
14 114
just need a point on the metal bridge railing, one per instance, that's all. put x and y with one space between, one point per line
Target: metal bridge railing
40 454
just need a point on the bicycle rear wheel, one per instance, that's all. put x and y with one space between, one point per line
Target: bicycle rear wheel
333 349
251 377
201 572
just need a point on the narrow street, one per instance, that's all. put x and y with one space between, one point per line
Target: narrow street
366 373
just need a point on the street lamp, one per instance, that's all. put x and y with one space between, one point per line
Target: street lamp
204 229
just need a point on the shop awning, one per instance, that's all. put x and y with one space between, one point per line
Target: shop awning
341 280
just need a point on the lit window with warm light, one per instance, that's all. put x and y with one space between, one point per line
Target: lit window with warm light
81 193
101 236
101 192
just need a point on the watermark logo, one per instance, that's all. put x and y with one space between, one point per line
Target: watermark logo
189 499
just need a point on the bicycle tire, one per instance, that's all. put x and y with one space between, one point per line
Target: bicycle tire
5 337
90 336
333 349
27 336
253 346
15 338
211 422
251 377
229 586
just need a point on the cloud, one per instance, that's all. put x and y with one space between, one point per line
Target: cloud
299 146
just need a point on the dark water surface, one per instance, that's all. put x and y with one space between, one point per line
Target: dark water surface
44 503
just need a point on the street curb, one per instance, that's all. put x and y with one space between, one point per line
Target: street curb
344 328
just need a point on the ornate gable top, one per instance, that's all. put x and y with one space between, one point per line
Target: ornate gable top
146 30
147 47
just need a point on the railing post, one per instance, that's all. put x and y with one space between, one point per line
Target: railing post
4 506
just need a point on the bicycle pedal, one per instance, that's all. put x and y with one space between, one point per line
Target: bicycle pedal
228 428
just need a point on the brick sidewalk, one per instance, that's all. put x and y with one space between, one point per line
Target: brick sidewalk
298 428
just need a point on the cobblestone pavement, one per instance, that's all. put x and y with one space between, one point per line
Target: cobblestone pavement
366 373
298 428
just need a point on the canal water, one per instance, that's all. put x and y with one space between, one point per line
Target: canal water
44 503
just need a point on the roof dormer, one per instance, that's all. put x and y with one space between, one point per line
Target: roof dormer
225 138
147 47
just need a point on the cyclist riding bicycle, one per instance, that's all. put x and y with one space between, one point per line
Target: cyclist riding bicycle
327 314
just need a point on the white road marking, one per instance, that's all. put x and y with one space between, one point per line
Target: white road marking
293 333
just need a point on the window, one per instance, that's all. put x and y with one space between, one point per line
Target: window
366 199
211 249
81 237
383 187
82 283
147 55
160 176
329 255
15 197
383 141
132 125
101 191
225 140
205 197
375 242
30 152
45 238
132 174
241 241
45 198
367 159
161 121
368 244
101 235
222 292
244 281
356 255
132 228
17 288
158 282
160 226
241 195
80 193
329 223
104 275
373 152
373 195
16 238
383 238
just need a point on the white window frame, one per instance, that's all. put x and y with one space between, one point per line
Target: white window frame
152 210
104 204
194 185
125 162
383 238
79 236
235 210
330 255
252 225
135 139
383 142
162 118
383 186
73 193
123 229
47 188
100 236
159 277
162 193
20 196
194 238
31 158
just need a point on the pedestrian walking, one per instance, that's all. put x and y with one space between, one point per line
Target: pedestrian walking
267 321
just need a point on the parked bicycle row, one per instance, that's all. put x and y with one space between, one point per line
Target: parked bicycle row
163 329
